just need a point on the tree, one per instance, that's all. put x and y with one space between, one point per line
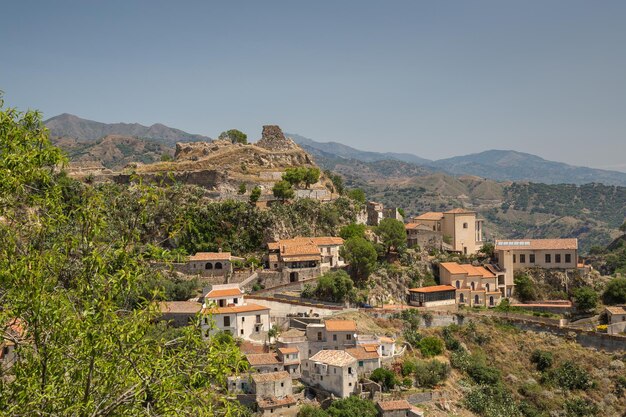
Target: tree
336 180
357 195
524 288
488 249
352 230
542 359
586 299
615 292
242 189
74 276
353 406
294 176
386 378
282 190
431 373
361 257
235 136
392 234
311 176
335 286
255 194
431 346
311 411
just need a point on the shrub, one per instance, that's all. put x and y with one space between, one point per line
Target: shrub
491 401
586 299
578 407
524 288
431 346
431 373
386 378
352 407
570 376
407 382
542 359
615 292
408 367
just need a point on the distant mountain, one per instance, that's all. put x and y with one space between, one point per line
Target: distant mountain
506 165
344 151
68 125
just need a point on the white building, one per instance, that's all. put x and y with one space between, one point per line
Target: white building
334 371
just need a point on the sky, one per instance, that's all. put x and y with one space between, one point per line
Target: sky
433 78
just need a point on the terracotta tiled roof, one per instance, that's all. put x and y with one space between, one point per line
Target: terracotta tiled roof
247 347
210 256
414 226
370 347
394 405
537 244
385 339
190 307
433 288
291 333
273 246
287 351
235 309
270 376
273 257
459 211
333 357
361 354
256 359
340 325
470 270
273 402
327 240
617 309
431 215
224 292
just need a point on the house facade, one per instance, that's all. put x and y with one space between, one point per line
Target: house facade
210 264
304 257
616 319
474 285
433 296
515 254
330 335
460 229
247 321
367 359
334 371
397 408
179 313
290 357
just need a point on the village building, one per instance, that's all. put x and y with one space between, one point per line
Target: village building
375 213
423 236
616 319
179 313
475 285
433 296
331 335
224 295
265 362
290 357
246 320
515 254
210 264
272 391
294 339
397 408
334 371
367 358
385 346
304 257
460 229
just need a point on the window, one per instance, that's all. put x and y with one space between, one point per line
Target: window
476 299
226 321
461 298
350 370
334 370
321 378
465 226
319 335
458 284
258 318
349 384
334 337
568 258
360 364
473 286
208 265
241 332
487 286
514 258
282 384
548 258
206 320
243 319
235 300
531 258
522 258
348 337
557 258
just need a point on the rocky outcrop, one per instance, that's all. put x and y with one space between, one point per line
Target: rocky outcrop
273 139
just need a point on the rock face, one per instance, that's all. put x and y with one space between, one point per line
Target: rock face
273 139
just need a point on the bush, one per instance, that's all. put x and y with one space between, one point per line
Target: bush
615 292
578 407
431 373
352 407
431 346
491 401
335 286
570 376
386 378
408 367
407 382
542 359
524 288
586 299
311 411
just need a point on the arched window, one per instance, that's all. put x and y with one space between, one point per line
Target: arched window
473 286
218 265
461 298
476 299
458 284
487 286
208 265
491 300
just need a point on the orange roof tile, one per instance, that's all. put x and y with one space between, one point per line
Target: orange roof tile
431 215
256 359
394 405
273 402
361 353
470 270
286 351
210 256
234 309
616 309
224 292
537 244
327 241
370 347
385 339
433 288
270 376
340 325
273 246
333 357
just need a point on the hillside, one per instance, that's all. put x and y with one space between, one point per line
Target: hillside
68 125
114 151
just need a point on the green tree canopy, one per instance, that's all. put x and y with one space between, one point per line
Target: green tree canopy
361 257
586 299
524 288
283 191
337 181
353 406
392 234
352 230
235 136
335 286
255 194
311 176
242 189
615 292
357 195
72 272
385 377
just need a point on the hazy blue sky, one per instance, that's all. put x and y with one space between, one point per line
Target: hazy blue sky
435 78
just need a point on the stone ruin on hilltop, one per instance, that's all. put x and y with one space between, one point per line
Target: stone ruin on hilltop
273 139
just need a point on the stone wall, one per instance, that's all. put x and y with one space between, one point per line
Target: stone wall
273 139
